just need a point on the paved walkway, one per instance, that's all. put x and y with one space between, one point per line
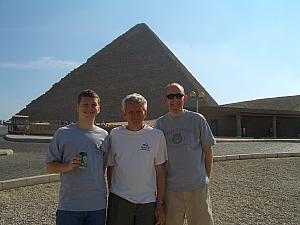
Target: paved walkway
225 150
3 130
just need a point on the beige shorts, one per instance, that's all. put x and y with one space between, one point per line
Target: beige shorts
194 205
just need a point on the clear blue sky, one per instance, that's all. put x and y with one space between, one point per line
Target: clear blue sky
237 49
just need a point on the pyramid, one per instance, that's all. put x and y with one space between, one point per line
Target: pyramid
137 61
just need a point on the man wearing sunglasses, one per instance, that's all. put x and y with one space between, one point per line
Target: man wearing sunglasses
189 140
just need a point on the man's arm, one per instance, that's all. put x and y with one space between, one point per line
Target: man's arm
109 175
161 186
56 167
208 157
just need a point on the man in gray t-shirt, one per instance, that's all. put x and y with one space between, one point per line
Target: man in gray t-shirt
82 196
189 140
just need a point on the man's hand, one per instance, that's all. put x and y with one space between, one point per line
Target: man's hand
57 167
74 162
160 214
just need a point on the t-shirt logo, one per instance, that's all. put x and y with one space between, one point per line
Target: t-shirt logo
145 147
177 138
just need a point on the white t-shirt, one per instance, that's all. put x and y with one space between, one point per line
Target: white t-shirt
134 155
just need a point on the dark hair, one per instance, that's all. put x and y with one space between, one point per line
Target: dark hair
88 93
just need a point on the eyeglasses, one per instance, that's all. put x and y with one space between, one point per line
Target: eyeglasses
177 95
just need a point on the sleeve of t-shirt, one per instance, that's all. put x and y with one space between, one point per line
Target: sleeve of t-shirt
54 153
106 147
161 155
106 143
110 157
206 136
157 124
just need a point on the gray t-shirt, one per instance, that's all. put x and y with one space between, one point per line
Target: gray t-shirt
82 189
186 137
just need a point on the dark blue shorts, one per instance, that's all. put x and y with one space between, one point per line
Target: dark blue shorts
97 217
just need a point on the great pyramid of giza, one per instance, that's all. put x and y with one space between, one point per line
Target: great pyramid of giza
137 61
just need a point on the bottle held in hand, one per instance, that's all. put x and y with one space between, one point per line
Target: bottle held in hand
83 160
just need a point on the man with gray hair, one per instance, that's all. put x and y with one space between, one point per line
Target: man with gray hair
136 168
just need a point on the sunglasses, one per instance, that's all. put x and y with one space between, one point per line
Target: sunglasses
177 95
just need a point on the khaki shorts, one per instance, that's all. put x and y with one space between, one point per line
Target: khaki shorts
194 205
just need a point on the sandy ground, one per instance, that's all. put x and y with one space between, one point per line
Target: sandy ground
243 192
262 192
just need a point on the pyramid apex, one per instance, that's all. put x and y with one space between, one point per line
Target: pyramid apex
140 27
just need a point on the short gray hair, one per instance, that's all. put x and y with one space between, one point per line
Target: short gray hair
134 98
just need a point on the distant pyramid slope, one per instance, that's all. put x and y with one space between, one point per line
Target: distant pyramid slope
137 61
290 103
